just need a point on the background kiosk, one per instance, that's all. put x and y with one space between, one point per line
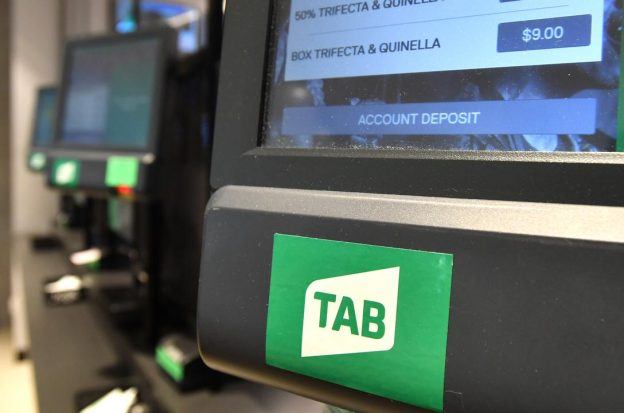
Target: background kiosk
420 205
42 136
43 128
109 113
149 211
107 146
126 133
72 210
188 127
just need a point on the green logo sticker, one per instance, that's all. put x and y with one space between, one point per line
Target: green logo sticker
122 171
170 360
37 161
370 318
66 172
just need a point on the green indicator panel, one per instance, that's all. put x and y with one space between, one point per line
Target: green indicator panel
166 362
66 173
122 171
37 161
367 317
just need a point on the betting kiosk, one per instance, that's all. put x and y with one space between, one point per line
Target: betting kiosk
72 208
109 112
188 127
42 137
107 147
134 134
133 137
419 205
42 134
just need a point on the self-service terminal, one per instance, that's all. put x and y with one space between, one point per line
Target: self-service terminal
133 136
42 128
71 209
109 115
186 129
420 205
107 150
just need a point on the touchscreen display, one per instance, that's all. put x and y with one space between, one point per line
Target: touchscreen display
110 92
494 75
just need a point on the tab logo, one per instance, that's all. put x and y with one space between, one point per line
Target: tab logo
367 317
351 314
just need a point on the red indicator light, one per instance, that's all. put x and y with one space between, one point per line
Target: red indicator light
125 191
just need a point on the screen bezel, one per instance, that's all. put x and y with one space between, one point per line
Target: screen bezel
164 38
238 158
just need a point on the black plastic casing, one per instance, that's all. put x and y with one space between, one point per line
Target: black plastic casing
536 296
238 159
531 327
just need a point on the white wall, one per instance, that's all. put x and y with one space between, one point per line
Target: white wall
5 201
86 17
35 55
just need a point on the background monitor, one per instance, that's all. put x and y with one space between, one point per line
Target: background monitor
43 127
111 93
